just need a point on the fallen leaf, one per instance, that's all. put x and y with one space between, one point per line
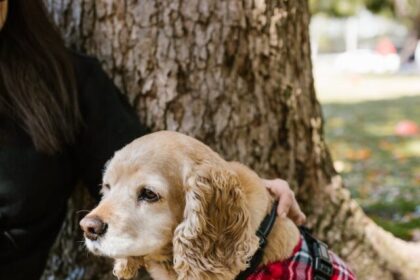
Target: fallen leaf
406 128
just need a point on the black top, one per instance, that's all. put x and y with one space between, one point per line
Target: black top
35 187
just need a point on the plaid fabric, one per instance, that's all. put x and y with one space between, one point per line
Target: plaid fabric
300 267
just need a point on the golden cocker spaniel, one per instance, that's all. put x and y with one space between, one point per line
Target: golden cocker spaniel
171 204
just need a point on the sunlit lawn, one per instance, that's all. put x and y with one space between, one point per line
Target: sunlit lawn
381 169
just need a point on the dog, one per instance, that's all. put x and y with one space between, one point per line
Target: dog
174 206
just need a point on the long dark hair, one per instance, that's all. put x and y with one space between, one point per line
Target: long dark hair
37 79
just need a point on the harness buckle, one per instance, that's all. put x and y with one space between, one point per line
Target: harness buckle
322 263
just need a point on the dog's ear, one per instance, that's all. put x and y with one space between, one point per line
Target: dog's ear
215 239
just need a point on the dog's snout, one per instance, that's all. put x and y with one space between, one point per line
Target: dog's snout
93 227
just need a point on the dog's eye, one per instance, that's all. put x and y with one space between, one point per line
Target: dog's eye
106 186
148 195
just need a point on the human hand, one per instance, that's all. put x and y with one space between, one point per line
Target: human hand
288 205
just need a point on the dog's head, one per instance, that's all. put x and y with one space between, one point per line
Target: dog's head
169 192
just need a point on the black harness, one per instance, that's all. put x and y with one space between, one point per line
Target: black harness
322 265
262 233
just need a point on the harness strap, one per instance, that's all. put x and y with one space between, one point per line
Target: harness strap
262 232
322 265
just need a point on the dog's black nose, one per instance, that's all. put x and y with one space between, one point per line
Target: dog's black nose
93 227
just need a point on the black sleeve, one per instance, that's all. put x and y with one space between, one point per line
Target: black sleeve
109 122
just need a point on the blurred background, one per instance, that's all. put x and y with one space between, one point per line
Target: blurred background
366 58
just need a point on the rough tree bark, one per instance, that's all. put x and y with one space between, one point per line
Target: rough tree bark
238 76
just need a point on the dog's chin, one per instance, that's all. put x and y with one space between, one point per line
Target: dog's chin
94 247
98 249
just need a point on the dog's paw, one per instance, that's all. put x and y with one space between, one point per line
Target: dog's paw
126 268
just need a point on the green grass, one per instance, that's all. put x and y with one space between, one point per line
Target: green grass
381 169
400 229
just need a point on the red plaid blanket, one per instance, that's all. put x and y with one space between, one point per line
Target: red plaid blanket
300 267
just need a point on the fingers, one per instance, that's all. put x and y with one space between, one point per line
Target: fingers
285 204
296 214
288 205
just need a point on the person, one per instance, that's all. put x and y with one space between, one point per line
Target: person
61 119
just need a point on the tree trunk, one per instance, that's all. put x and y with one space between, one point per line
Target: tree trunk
238 76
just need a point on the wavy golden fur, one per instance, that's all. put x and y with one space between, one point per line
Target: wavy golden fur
203 226
215 240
